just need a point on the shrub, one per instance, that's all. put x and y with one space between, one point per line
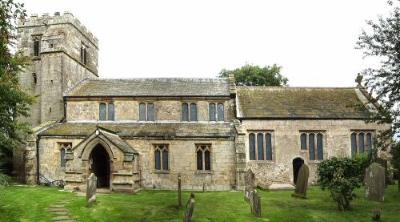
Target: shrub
4 179
341 176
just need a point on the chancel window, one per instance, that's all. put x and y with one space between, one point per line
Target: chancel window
63 149
146 112
161 161
361 141
106 111
260 146
216 112
203 155
189 112
314 143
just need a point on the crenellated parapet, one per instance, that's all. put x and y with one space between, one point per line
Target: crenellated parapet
34 20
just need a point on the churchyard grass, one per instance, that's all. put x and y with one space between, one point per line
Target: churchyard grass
31 203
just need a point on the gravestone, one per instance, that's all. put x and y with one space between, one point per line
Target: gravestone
249 180
255 203
91 189
302 182
179 191
375 182
189 209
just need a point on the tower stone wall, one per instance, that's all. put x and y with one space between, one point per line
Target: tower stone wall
58 65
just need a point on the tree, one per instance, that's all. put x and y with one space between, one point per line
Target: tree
14 103
341 176
382 41
252 75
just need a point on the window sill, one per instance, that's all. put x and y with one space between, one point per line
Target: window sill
201 172
161 171
34 58
315 161
262 161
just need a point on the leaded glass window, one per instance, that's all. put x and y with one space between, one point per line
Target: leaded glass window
203 153
212 112
311 146
193 112
220 112
313 141
185 112
142 112
103 111
361 141
161 157
260 146
110 111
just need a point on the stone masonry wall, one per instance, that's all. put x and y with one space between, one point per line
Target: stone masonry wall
128 109
286 145
182 159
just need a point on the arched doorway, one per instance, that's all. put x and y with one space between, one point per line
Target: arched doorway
297 163
100 166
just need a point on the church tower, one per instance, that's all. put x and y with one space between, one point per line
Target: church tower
63 53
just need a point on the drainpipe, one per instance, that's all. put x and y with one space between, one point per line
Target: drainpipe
37 160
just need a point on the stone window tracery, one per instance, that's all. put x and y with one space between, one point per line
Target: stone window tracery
361 141
63 148
260 146
203 156
314 143
161 157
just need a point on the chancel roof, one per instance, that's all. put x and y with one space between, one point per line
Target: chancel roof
299 103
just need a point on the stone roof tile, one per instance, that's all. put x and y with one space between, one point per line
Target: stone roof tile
297 103
151 87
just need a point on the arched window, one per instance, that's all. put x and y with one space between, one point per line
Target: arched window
102 111
268 144
165 159
320 147
260 146
157 158
221 112
34 76
150 112
193 112
203 152
353 144
185 112
212 112
361 142
161 157
311 139
252 148
111 111
368 143
303 141
62 156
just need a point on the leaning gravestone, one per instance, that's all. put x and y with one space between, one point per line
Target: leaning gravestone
189 209
91 189
302 182
249 180
255 203
375 182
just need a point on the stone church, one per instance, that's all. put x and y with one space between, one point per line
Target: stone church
142 133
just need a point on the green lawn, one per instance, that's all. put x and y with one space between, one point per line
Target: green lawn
30 204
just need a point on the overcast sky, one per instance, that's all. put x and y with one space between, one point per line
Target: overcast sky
313 40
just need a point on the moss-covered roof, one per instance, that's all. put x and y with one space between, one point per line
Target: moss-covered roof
143 129
298 103
151 87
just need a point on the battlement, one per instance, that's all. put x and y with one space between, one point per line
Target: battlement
56 19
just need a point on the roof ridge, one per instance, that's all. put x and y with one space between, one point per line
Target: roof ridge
295 87
162 78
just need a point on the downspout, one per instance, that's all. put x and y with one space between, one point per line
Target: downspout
37 160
